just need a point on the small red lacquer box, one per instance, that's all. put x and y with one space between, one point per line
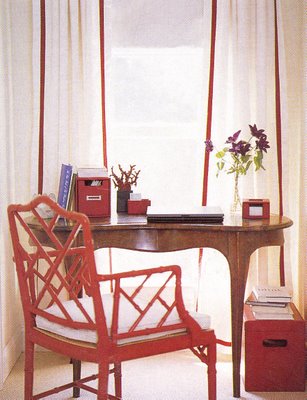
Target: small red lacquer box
93 196
274 353
256 208
138 206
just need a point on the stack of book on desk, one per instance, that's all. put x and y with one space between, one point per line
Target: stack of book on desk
67 182
270 302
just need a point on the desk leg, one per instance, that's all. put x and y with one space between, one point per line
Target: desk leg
239 264
237 325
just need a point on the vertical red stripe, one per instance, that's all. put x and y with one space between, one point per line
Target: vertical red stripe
210 99
279 137
278 114
209 124
103 107
102 72
42 98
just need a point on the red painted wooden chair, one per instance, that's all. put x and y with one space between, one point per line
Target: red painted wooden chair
98 327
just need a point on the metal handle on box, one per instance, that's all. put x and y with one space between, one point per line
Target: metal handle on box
93 198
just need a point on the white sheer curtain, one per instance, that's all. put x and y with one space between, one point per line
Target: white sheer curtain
157 56
72 97
72 129
15 161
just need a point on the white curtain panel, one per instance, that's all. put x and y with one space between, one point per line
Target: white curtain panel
72 97
157 67
72 129
15 161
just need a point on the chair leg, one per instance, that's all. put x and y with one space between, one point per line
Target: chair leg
76 364
103 379
29 370
212 371
118 379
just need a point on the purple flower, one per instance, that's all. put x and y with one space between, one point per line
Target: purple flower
262 144
255 131
238 155
233 138
209 145
241 148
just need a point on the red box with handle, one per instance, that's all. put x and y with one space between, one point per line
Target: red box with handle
93 196
274 353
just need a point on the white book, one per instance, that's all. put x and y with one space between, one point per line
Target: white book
273 316
89 172
272 310
272 294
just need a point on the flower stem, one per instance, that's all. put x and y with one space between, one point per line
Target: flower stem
236 204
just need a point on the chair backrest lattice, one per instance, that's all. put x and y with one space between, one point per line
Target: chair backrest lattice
50 275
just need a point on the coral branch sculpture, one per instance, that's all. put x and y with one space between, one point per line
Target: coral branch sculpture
125 179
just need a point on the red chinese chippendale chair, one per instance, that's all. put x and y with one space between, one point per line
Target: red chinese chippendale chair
67 309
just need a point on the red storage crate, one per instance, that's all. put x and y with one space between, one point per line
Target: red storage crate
93 196
274 353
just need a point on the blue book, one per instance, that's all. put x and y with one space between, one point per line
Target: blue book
64 185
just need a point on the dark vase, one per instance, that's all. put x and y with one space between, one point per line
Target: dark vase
122 200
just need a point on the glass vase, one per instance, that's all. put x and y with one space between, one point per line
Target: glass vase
236 205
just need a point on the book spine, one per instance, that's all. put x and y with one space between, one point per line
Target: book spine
271 298
64 185
265 304
71 195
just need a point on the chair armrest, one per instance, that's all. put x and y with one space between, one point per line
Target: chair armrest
171 277
148 271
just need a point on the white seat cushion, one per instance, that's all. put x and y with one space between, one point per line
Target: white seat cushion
127 316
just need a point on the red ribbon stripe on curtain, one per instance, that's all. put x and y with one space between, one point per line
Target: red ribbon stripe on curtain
103 105
102 72
279 138
209 123
42 96
210 99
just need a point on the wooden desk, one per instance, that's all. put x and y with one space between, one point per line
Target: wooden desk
236 239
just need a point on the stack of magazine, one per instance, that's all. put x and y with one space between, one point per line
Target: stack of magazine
271 302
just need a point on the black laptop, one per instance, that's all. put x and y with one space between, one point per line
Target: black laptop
197 215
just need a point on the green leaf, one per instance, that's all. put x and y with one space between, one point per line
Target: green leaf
220 154
248 165
258 160
220 165
242 170
245 158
